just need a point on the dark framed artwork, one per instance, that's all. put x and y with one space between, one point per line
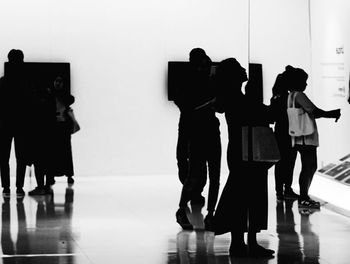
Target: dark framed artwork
41 75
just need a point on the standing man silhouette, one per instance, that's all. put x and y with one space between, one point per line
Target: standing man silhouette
203 138
13 96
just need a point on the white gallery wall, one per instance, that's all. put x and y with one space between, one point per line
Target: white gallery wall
279 36
118 52
330 24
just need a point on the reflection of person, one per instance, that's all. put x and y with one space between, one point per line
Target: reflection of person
61 138
287 235
13 120
243 203
204 245
22 246
204 145
311 241
306 145
285 166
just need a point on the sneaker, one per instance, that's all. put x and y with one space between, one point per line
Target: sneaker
309 204
6 191
20 192
258 251
290 195
50 181
182 219
70 180
37 191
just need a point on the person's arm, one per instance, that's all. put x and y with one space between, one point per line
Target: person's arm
302 100
318 113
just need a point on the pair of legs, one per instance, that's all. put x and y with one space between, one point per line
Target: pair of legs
285 167
308 156
5 151
204 155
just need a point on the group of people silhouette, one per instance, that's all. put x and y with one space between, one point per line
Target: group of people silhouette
35 118
242 207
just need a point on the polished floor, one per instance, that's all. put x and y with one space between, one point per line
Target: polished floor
131 219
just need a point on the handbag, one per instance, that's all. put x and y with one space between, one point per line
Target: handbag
259 145
300 122
74 125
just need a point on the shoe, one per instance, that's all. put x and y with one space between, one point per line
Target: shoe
290 195
200 200
182 219
238 251
20 192
6 191
70 180
48 189
50 181
208 223
37 191
258 251
309 203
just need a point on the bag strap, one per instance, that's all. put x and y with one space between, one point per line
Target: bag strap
291 99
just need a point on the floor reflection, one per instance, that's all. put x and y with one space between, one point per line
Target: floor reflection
48 240
296 242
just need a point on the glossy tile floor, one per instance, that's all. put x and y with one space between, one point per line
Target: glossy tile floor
131 219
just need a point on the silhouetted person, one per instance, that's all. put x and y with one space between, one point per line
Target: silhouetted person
61 137
204 145
13 120
306 145
285 166
40 136
243 203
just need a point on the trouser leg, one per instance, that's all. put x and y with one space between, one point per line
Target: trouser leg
5 151
214 165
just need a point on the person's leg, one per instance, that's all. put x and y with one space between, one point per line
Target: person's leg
21 164
289 173
40 180
182 155
255 250
308 157
238 248
279 179
5 151
214 166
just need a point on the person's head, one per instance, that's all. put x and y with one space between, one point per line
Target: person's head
58 83
199 59
15 56
280 86
231 71
296 78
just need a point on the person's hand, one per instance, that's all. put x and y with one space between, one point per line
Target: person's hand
337 114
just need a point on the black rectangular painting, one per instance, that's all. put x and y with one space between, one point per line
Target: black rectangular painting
42 74
178 76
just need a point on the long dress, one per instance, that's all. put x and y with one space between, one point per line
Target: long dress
61 144
243 203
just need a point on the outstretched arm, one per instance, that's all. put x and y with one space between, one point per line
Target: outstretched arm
318 113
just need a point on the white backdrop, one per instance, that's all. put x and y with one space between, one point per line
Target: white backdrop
118 52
